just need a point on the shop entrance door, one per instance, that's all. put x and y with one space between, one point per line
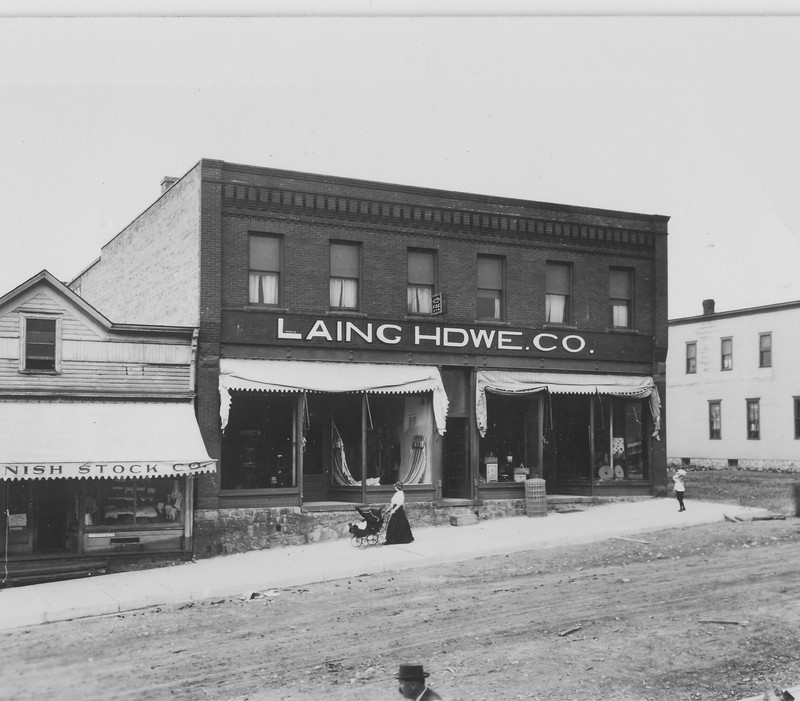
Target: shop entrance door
455 478
316 456
51 504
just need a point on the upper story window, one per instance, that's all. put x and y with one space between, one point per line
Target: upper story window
345 275
691 357
421 281
753 419
620 293
265 270
490 287
715 420
558 298
765 350
726 349
40 337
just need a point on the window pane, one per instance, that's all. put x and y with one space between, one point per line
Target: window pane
263 288
619 313
344 293
490 273
555 306
488 304
40 344
265 253
344 260
558 279
714 420
420 299
420 268
619 284
753 419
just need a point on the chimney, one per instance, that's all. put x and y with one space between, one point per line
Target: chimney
708 306
167 182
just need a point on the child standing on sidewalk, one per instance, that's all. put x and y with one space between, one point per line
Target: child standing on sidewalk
680 487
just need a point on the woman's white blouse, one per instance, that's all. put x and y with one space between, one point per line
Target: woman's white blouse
399 498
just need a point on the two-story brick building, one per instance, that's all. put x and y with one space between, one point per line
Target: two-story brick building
735 377
356 333
99 443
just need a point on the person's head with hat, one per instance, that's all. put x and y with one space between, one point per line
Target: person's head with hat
412 683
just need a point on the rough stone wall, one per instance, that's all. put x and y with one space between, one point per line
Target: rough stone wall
761 465
227 531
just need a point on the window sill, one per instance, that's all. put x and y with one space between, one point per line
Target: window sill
40 372
258 308
346 312
553 325
492 322
623 331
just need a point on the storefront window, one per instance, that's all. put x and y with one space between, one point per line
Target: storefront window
130 502
257 445
509 450
399 435
618 439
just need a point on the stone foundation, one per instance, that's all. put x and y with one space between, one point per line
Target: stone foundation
226 531
720 464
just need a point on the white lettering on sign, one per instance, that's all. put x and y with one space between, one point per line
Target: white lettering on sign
437 336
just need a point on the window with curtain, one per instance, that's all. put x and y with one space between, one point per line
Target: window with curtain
557 298
691 357
265 269
765 350
490 287
726 350
620 292
345 275
753 419
715 420
421 281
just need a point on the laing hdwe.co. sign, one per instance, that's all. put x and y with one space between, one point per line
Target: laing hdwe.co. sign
346 332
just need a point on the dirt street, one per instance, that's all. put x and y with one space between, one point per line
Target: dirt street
708 612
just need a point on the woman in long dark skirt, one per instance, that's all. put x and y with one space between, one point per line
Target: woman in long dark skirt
398 529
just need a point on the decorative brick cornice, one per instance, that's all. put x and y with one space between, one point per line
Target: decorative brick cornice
430 219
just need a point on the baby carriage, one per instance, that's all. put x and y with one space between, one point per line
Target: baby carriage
371 532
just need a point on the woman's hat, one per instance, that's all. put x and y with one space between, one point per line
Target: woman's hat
411 671
399 485
682 473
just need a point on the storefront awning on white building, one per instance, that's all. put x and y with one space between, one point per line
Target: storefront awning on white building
307 376
52 440
516 382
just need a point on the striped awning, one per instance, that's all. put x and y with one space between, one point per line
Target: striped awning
307 376
62 440
518 382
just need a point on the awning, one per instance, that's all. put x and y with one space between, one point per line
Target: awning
51 440
515 382
305 376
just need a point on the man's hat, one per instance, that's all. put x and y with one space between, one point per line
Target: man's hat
411 671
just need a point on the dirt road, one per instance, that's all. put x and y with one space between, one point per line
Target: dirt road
708 612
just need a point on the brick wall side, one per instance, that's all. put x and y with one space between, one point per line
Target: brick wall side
149 273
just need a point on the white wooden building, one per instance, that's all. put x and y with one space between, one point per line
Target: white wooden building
733 388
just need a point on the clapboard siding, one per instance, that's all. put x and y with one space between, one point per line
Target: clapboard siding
73 326
106 352
77 377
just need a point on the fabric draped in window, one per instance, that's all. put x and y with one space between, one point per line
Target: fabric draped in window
620 315
341 472
554 308
344 293
263 288
419 461
420 299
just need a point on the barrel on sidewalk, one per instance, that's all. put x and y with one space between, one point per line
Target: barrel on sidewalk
535 498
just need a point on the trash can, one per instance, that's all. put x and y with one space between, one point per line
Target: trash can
535 498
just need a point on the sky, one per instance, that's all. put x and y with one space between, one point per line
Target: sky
696 117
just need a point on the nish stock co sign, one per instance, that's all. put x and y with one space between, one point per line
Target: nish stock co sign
487 340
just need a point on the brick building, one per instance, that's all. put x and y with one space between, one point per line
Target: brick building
354 333
734 375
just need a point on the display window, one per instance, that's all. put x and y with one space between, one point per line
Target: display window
598 438
509 450
131 502
257 444
397 433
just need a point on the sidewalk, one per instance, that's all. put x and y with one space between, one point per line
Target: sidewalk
234 575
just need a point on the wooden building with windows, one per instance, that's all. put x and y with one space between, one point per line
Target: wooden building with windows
356 333
99 444
734 379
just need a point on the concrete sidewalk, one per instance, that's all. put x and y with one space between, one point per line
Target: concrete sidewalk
234 575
